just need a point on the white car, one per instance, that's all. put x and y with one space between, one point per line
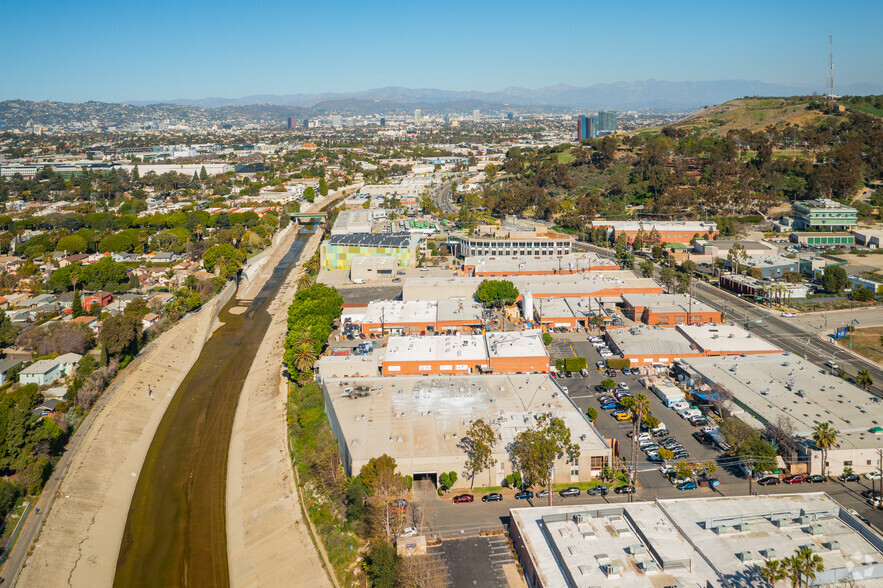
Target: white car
873 475
623 385
788 314
409 532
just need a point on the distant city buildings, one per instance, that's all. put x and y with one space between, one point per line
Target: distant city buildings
336 121
607 120
292 122
382 121
585 127
417 114
476 115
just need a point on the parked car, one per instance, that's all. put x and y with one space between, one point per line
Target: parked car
635 372
584 372
493 497
523 495
600 490
848 478
768 481
409 532
572 491
873 476
464 498
870 493
623 385
816 479
654 457
542 494
688 485
622 415
610 404
626 372
794 479
624 490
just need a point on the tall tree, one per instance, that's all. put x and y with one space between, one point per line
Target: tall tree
478 444
824 436
639 407
536 450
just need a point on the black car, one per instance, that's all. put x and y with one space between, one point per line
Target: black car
870 494
600 490
495 497
849 478
624 489
572 491
703 438
816 479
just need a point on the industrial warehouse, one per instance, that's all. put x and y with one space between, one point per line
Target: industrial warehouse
420 422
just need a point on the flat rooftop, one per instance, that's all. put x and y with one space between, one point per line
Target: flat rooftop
516 344
460 348
648 225
726 339
646 340
693 541
400 311
824 204
411 417
783 384
460 310
666 303
566 307
573 262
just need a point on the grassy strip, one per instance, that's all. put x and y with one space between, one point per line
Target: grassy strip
317 462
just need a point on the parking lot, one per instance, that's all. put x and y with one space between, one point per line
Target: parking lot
582 390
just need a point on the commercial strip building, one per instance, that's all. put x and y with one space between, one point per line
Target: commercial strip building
358 220
703 542
770 387
669 231
339 251
515 265
377 267
408 317
816 239
491 240
770 266
499 353
645 345
668 309
608 286
762 289
823 214
420 421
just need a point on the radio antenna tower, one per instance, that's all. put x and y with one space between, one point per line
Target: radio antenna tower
829 86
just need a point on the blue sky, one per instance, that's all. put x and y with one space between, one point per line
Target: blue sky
116 51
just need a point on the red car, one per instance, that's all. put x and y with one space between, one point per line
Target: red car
795 479
463 498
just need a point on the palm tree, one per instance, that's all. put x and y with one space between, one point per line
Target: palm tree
803 567
304 281
773 570
639 406
304 353
824 437
864 379
312 265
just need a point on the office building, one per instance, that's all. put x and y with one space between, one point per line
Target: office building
476 115
417 114
669 231
516 265
306 123
382 121
336 121
505 241
607 121
510 116
292 122
715 542
420 422
824 215
585 128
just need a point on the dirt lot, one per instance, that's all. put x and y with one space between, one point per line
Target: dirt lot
866 342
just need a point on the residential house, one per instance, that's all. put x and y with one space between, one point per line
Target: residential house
72 259
6 366
87 321
149 319
46 371
101 297
36 301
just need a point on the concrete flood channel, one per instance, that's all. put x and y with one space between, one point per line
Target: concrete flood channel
175 533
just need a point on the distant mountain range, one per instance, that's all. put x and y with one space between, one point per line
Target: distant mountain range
642 95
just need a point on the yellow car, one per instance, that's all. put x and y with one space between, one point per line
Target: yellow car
622 415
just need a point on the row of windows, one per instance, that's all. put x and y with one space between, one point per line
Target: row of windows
829 240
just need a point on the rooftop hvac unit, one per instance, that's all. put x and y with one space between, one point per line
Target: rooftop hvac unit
745 556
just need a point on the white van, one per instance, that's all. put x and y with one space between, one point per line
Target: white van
689 412
659 429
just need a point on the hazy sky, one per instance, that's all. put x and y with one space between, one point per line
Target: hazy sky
115 51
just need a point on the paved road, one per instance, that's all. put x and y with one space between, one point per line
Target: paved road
442 198
791 335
